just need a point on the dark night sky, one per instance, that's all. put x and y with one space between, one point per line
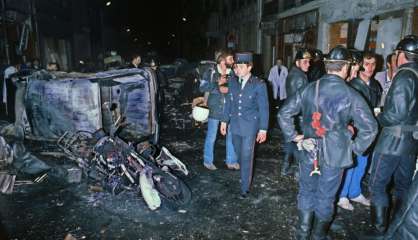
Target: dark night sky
154 20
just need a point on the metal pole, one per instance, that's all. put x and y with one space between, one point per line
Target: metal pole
6 40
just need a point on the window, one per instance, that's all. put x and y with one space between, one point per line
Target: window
270 7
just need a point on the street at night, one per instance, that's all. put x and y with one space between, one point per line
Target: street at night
209 119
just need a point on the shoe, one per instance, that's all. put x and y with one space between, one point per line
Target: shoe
244 195
233 166
362 200
344 203
210 166
296 175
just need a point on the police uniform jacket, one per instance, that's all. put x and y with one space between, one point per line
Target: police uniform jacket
216 99
338 104
372 92
295 81
400 109
247 109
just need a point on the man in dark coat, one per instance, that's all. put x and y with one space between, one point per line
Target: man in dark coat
370 89
296 81
327 107
404 224
247 111
396 148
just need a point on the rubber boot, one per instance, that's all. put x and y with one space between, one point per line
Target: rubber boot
304 225
379 223
320 229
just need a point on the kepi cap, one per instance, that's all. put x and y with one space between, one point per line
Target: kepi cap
243 57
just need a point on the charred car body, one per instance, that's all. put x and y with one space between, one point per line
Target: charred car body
55 104
108 124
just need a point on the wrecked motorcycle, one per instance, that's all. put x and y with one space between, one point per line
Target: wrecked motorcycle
120 166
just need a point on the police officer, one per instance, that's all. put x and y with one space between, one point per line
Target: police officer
396 149
327 107
296 81
247 111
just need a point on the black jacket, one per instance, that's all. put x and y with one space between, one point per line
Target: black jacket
316 71
372 92
296 81
400 109
405 222
338 104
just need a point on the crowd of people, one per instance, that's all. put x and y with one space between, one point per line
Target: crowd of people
339 119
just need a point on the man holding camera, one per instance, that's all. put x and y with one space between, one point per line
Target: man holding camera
215 82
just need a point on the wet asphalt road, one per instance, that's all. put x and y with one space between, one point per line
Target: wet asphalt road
53 209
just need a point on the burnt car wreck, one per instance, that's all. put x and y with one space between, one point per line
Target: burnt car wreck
107 123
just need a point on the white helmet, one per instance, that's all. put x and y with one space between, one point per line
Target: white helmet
200 114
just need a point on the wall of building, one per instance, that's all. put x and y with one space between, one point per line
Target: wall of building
380 14
331 11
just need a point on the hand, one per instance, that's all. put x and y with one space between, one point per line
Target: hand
261 137
377 111
351 129
223 68
223 128
223 90
298 138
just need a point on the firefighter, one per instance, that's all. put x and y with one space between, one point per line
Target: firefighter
296 81
396 148
327 106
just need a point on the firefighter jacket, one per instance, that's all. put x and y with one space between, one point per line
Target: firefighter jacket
338 105
400 112
372 92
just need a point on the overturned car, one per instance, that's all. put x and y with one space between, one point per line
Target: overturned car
55 104
108 124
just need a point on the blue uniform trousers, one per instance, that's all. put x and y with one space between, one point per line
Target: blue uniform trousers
353 177
244 148
317 193
384 167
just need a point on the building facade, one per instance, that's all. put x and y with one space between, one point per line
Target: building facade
61 31
235 25
366 25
